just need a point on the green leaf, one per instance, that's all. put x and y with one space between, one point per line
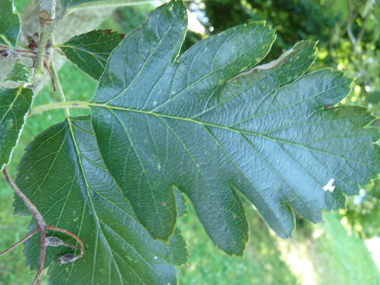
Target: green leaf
85 4
91 50
9 24
14 105
63 174
19 73
200 124
149 49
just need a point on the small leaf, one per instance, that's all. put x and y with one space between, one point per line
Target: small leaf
86 4
19 73
64 176
14 105
91 50
213 125
9 24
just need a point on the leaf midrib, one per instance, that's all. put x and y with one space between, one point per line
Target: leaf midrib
98 220
90 104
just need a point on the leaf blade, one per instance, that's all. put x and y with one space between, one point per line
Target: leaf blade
91 50
162 36
19 73
205 127
10 24
87 202
15 104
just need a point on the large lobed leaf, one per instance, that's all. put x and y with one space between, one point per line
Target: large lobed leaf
64 176
9 24
14 105
91 50
197 123
210 124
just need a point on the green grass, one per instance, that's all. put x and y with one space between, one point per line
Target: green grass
262 262
333 257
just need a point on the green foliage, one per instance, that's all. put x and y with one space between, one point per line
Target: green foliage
91 50
87 201
9 24
15 104
363 217
19 73
210 124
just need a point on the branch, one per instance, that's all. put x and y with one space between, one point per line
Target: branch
60 90
41 226
19 242
39 221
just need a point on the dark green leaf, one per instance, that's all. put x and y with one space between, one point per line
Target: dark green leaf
9 24
199 124
149 49
64 176
90 51
19 73
14 105
84 4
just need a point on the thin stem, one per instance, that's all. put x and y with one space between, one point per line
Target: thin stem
58 105
106 4
59 88
36 214
48 23
41 260
70 234
19 50
19 242
41 225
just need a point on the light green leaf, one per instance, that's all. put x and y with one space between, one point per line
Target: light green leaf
63 174
199 123
9 24
19 73
91 50
86 4
14 105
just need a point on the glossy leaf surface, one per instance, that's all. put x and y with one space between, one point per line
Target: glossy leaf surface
91 50
64 176
199 123
9 24
14 105
19 73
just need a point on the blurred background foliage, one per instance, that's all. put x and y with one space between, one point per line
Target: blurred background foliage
335 252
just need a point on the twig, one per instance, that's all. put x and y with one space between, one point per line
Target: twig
19 242
72 235
362 30
19 50
41 225
60 90
51 75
